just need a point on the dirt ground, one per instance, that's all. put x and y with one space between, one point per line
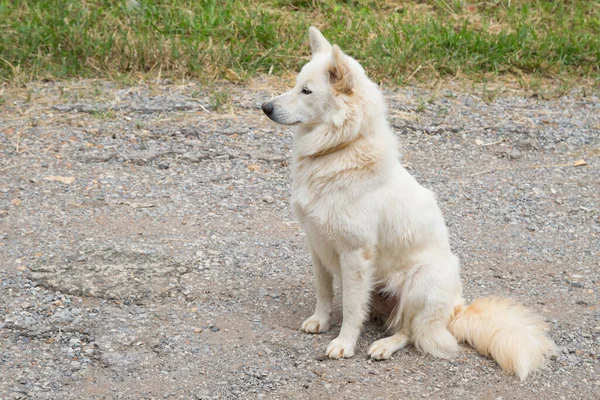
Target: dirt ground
148 250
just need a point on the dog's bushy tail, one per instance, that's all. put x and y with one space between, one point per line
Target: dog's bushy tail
506 331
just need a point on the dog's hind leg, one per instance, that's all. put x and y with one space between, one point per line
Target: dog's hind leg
319 321
430 297
356 270
426 301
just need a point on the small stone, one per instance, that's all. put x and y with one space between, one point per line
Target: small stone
514 154
575 280
268 199
221 177
25 305
163 166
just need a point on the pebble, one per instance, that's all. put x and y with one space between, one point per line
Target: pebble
268 199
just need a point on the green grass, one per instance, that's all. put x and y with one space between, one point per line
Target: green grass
396 41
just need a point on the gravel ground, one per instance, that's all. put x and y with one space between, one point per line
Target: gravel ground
147 248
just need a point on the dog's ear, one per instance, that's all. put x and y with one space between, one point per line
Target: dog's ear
318 43
340 76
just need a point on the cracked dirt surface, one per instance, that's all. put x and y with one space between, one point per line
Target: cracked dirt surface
147 248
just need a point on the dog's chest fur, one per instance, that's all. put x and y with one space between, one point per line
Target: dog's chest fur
331 197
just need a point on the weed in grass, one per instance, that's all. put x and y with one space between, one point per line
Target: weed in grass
103 114
443 112
97 90
564 88
491 94
2 100
219 100
422 105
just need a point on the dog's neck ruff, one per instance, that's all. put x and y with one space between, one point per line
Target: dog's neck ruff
332 150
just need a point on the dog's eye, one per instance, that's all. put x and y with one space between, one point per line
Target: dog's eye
306 91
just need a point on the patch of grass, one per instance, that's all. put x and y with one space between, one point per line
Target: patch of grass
489 95
397 41
219 100
422 106
103 114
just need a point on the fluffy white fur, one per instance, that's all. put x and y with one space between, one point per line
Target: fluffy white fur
371 224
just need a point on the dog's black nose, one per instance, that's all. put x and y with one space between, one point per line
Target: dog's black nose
267 108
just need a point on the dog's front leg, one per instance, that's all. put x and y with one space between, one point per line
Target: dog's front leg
319 321
356 287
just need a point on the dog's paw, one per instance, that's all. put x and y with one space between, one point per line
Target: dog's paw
384 348
380 350
315 324
340 348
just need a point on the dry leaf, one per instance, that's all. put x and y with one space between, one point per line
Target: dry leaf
16 202
64 179
232 75
579 163
254 167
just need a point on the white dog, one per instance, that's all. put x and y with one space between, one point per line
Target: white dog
369 223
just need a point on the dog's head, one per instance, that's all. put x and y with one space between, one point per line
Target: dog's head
323 88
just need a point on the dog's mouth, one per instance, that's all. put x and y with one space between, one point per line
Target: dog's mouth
285 123
269 110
